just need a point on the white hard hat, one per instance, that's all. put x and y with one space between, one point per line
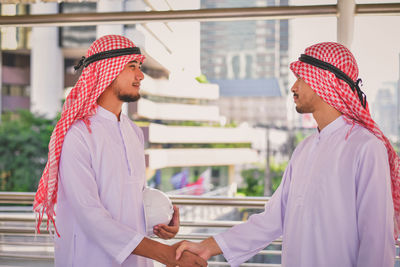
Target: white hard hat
158 208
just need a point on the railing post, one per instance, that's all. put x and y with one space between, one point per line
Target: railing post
267 173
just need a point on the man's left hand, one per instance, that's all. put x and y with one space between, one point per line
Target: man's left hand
168 231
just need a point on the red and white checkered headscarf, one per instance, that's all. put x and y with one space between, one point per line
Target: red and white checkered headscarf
80 104
339 95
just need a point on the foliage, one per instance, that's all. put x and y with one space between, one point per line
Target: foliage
254 179
195 123
202 79
277 171
142 123
208 145
24 139
396 147
300 136
231 124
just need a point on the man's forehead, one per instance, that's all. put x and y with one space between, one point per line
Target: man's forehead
135 61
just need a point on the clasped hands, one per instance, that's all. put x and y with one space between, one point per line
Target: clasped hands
201 252
186 254
184 257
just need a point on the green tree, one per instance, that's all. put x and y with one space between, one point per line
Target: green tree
202 79
24 140
277 171
300 136
254 182
254 179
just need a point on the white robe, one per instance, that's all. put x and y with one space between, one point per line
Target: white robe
333 207
99 212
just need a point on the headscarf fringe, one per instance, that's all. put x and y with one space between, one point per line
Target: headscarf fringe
80 104
339 95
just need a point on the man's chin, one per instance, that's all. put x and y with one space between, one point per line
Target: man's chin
301 110
129 98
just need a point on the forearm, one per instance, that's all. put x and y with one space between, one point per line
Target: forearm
211 247
155 250
205 249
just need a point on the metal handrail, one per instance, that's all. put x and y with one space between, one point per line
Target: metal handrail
25 243
217 14
17 198
30 218
217 263
224 14
26 257
210 263
248 202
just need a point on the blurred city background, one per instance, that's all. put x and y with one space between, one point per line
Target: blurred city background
216 107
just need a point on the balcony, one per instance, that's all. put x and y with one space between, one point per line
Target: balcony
181 87
244 138
186 157
15 75
164 134
12 103
176 112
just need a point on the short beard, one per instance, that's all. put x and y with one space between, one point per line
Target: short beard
303 110
299 110
128 98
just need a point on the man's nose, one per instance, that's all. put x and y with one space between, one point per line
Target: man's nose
293 88
139 75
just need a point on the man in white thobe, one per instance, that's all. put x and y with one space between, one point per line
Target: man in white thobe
100 208
334 206
96 169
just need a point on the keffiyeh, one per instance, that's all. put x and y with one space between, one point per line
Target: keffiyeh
337 93
96 76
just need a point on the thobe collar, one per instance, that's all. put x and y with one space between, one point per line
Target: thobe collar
331 127
107 114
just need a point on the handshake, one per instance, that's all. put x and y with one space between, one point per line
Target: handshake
182 254
188 254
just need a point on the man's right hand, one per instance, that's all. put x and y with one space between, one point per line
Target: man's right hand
186 258
204 249
167 254
189 259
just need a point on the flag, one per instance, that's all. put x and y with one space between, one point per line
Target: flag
179 179
203 182
155 180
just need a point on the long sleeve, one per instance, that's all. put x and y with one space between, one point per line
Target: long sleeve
374 208
78 182
243 241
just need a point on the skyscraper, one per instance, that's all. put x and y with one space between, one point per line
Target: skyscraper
385 110
245 49
248 60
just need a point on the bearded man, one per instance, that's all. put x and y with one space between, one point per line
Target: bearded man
96 169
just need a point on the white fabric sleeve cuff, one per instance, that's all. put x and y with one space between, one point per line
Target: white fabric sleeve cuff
225 249
129 248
